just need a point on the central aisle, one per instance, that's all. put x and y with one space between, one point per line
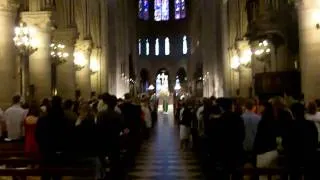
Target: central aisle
160 157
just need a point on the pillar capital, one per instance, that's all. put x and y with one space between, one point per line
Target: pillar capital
67 36
9 5
83 46
39 19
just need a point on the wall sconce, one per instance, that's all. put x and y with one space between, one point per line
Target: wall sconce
94 67
235 62
79 61
318 26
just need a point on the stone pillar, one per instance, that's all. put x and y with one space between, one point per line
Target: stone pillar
83 81
245 81
40 62
309 16
66 81
95 67
8 73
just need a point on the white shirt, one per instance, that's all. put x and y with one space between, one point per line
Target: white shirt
14 117
316 119
147 116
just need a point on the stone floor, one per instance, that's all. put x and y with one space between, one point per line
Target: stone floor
160 157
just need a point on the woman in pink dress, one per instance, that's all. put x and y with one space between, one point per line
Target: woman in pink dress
30 123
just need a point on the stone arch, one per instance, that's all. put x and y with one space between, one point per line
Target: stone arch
144 79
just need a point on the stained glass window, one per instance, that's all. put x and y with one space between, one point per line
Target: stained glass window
157 47
185 45
161 10
167 46
147 47
180 9
144 9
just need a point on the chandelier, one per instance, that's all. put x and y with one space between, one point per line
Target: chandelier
23 39
58 54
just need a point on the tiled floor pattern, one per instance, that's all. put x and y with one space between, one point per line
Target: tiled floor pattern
161 159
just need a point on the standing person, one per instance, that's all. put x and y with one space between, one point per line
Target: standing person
313 115
45 106
30 123
2 125
301 145
132 120
14 117
251 121
52 135
146 116
228 136
68 111
185 125
109 127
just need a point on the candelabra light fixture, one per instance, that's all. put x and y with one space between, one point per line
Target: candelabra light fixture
26 46
58 54
262 49
23 39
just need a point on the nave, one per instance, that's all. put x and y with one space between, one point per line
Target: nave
160 157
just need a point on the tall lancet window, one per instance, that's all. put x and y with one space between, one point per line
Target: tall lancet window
167 46
139 46
157 47
147 47
180 9
185 45
143 9
161 10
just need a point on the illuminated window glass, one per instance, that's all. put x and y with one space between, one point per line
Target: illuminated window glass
139 46
161 10
157 47
147 47
165 10
157 10
144 9
167 46
185 45
180 9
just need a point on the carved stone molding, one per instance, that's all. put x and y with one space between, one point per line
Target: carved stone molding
67 36
9 5
40 19
83 46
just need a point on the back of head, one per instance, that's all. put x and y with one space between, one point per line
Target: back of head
34 108
112 102
225 104
250 104
56 103
68 104
127 97
16 99
312 108
298 111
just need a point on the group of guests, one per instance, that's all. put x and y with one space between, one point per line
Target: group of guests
252 134
61 131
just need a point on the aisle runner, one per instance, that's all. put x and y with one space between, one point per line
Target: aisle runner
161 159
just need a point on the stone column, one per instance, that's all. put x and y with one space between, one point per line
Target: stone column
95 67
40 62
83 81
309 16
245 81
8 73
66 81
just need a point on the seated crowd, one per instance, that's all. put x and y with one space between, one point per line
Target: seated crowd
60 132
232 134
